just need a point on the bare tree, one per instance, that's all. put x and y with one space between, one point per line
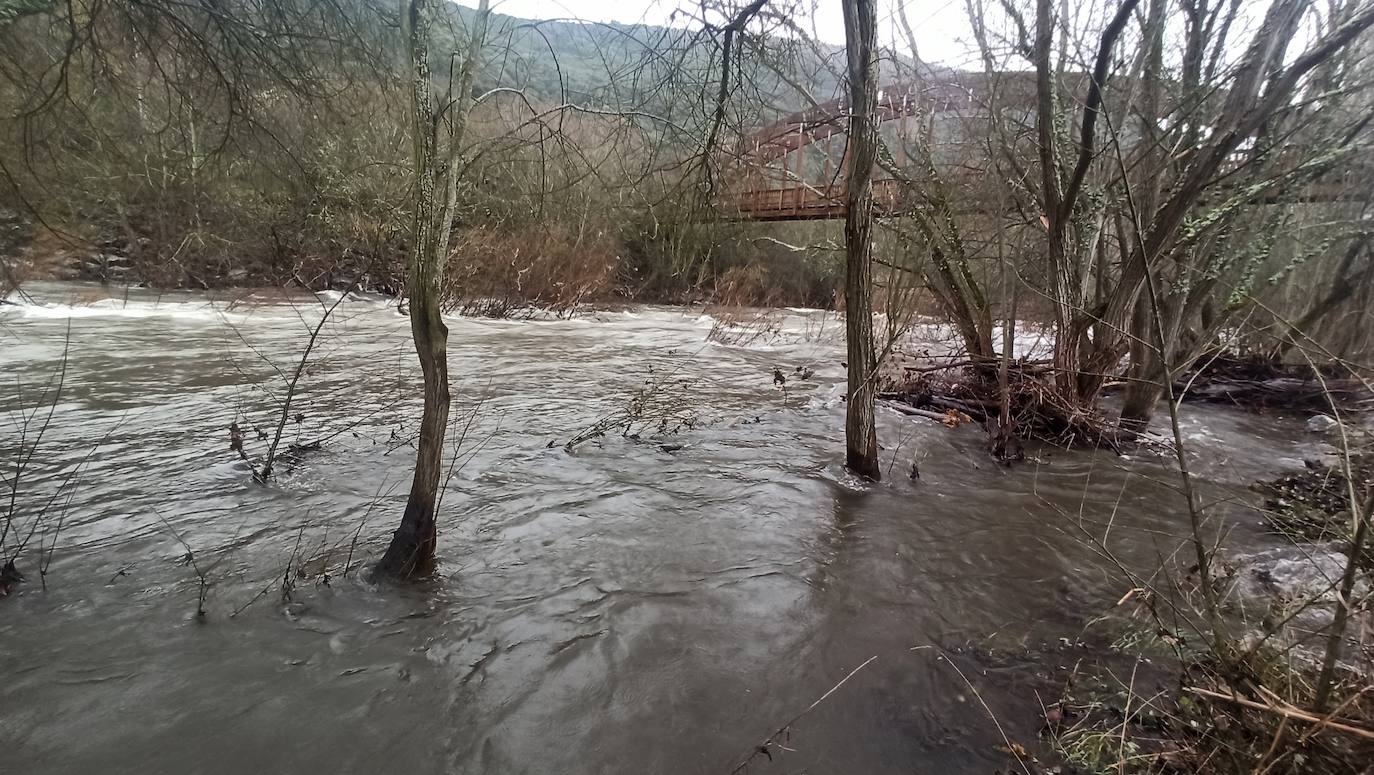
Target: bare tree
438 130
1225 144
861 435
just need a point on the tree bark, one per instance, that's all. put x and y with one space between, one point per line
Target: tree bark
1142 394
412 550
1343 287
1260 86
1138 405
861 436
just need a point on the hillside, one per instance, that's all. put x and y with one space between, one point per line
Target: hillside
636 65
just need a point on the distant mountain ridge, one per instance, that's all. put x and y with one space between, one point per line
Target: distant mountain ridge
614 65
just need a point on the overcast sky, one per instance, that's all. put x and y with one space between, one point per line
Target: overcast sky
940 26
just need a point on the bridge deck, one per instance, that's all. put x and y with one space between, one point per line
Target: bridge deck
891 198
806 203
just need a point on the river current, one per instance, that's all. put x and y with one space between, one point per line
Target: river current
655 603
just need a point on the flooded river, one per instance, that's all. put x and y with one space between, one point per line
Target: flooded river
660 604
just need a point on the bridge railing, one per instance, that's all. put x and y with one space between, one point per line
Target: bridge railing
805 203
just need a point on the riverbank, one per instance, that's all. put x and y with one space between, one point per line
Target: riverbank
494 271
1283 686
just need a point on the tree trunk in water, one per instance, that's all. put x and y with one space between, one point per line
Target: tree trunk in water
1144 388
1138 406
861 435
1144 369
1147 371
411 553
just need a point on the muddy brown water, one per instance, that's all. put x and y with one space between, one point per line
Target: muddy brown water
624 608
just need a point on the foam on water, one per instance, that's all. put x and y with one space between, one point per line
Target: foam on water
115 308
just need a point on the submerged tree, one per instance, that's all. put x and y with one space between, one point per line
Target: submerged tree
438 129
1152 183
861 435
1204 219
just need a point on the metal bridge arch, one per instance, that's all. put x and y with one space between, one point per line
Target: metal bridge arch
769 178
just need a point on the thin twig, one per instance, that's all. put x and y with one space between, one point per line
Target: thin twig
1287 710
763 748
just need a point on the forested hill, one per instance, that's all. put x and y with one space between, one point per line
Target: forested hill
617 65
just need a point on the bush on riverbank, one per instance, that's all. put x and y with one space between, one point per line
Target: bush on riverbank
494 268
1181 711
494 272
1269 671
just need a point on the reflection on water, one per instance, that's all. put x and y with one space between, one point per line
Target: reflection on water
624 607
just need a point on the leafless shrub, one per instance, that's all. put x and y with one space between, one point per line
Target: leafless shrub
495 272
663 405
286 411
742 326
203 567
744 285
30 512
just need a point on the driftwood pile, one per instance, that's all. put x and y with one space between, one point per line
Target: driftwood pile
967 391
1260 384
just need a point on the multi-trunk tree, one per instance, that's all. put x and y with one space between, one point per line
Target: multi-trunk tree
1155 189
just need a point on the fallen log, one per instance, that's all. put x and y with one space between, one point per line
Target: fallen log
979 413
1261 384
912 411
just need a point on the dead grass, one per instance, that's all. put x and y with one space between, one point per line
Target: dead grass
1134 716
500 273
